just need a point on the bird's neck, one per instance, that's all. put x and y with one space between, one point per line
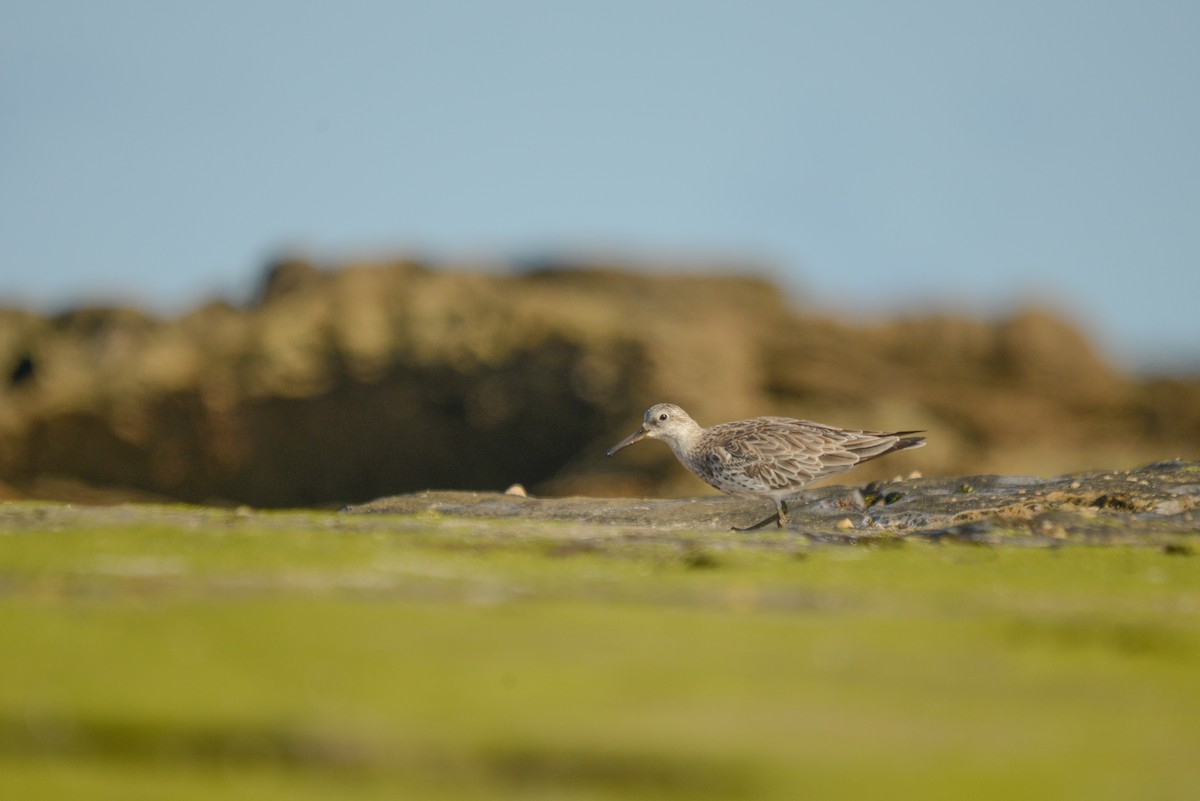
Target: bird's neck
685 443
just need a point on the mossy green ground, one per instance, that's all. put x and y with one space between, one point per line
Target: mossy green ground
305 657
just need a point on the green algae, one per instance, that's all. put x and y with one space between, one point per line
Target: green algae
186 653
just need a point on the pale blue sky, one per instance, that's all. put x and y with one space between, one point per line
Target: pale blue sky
877 155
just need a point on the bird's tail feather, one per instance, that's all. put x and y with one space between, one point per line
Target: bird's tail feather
881 445
907 442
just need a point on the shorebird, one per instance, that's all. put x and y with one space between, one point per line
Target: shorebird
764 457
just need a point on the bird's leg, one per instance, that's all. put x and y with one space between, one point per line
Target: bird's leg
772 519
779 518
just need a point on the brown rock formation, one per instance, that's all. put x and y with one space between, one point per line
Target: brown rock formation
341 386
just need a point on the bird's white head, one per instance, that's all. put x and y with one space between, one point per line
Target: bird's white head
664 421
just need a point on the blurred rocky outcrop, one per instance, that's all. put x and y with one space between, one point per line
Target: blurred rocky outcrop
339 386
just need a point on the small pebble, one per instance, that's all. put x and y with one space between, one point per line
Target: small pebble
517 489
845 523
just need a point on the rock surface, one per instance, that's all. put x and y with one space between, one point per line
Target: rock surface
1157 505
1123 507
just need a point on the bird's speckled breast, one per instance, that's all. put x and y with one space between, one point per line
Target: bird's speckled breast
718 468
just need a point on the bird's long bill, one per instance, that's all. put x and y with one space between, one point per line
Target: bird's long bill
636 436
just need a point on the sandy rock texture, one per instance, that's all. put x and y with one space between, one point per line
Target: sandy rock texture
1123 507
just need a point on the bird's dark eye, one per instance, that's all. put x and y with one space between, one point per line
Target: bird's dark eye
662 416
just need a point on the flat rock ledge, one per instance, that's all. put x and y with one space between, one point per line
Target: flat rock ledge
1155 504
